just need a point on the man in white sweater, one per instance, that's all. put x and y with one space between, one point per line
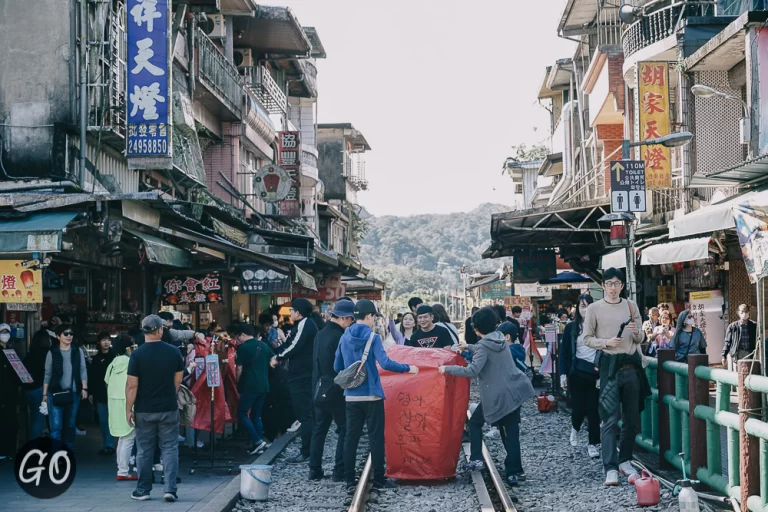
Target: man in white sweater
612 326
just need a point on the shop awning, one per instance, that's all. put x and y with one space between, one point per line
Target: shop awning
303 279
39 232
749 173
161 251
615 259
715 217
566 278
484 281
676 252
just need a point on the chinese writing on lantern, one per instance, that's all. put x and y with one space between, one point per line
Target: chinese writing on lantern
653 112
148 122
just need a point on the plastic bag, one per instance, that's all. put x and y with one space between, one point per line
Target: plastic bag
425 415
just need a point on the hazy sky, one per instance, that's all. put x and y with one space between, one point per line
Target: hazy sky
441 89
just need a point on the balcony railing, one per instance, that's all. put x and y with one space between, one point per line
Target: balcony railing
659 24
219 74
258 80
308 155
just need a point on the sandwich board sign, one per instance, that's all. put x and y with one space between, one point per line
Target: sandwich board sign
627 186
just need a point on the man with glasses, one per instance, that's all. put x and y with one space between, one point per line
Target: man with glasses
612 326
297 354
155 371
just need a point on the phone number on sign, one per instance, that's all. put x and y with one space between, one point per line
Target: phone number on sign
147 146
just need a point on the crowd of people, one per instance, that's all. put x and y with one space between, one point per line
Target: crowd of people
136 382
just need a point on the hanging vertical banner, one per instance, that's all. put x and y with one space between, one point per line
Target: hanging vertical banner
149 142
290 160
652 105
707 310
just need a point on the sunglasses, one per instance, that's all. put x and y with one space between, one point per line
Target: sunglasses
68 333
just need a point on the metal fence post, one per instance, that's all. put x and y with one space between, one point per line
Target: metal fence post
698 394
749 459
666 383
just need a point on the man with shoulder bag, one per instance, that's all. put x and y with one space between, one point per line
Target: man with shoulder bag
328 397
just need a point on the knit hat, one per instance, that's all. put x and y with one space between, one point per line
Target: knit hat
302 306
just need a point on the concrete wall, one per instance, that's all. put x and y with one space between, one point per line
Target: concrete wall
330 147
36 55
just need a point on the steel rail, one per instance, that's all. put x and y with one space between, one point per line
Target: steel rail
361 491
486 505
498 482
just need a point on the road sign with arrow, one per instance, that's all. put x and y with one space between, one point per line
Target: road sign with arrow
627 186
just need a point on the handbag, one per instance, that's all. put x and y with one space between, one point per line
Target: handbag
62 398
326 390
355 374
586 369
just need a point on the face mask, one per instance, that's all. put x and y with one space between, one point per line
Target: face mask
4 337
583 311
689 321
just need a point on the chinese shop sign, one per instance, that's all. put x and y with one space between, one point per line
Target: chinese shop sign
652 103
494 291
533 290
19 284
627 186
192 290
148 85
290 160
260 280
532 266
272 183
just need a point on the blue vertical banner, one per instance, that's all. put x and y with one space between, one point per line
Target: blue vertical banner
149 108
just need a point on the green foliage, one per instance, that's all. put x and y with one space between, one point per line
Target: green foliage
360 227
416 254
536 152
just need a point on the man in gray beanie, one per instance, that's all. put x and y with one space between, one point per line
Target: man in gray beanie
297 353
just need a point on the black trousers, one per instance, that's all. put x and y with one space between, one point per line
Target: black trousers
325 415
359 414
303 408
9 428
584 402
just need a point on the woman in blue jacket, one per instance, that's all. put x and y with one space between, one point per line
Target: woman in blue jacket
579 373
365 404
687 339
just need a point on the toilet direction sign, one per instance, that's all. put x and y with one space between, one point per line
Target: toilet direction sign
627 186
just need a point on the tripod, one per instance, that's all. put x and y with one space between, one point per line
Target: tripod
212 459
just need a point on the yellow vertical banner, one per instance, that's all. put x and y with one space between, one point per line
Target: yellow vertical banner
653 110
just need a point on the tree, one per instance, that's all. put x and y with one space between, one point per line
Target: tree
536 152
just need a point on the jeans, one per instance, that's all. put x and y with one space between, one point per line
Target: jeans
324 416
584 399
252 402
629 396
301 398
372 415
36 418
109 441
509 428
125 446
153 428
64 419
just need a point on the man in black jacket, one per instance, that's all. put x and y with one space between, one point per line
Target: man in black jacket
740 338
297 352
470 337
328 397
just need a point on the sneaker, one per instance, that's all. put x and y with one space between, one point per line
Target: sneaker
612 478
121 478
574 437
170 497
295 426
316 475
473 465
627 469
337 477
592 451
139 496
200 444
493 433
132 460
385 485
157 467
258 448
181 439
512 480
520 477
79 431
298 459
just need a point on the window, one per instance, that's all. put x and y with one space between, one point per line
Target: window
518 188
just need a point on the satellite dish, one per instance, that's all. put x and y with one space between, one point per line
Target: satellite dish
628 14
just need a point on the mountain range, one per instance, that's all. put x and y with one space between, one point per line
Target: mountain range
419 253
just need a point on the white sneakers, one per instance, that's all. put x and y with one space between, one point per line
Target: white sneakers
592 451
627 469
295 426
612 478
574 437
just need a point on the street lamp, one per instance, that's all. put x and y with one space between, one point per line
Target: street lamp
704 91
673 140
623 224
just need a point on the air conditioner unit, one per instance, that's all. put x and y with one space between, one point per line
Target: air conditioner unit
214 27
243 57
